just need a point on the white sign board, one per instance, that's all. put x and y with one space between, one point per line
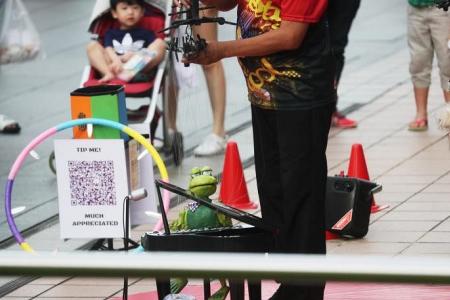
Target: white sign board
92 185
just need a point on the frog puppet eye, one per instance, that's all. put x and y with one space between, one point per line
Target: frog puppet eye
196 172
206 171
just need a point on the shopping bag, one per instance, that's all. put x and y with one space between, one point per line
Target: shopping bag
19 40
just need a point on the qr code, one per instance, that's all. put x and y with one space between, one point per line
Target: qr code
92 182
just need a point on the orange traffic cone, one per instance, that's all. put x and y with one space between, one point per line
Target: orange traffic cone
233 190
357 168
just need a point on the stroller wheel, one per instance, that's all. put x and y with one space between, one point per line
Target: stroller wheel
51 162
177 148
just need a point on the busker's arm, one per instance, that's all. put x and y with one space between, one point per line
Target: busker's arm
289 36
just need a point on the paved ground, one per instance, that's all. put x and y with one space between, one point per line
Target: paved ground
413 168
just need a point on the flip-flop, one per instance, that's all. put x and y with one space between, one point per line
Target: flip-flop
8 125
418 125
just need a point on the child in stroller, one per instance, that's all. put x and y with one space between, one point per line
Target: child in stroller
121 45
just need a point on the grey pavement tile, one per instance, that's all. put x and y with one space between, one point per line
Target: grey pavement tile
435 237
404 226
393 236
389 187
337 148
363 247
408 179
416 216
424 206
445 179
88 281
137 289
149 282
374 217
430 197
412 168
385 197
64 291
249 174
30 290
49 280
385 152
428 248
443 226
439 188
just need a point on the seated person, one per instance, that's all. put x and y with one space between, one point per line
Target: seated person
121 44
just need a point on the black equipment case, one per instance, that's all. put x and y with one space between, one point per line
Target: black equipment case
348 205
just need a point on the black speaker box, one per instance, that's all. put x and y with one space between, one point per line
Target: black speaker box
348 204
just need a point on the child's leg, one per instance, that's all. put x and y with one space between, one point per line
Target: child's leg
159 48
99 60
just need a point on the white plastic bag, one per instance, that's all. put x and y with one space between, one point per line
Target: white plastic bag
19 40
186 76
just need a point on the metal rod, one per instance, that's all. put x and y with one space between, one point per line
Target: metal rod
219 265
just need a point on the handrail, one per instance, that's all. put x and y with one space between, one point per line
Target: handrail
218 265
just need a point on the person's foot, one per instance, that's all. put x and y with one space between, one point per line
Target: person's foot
420 124
211 145
8 125
341 121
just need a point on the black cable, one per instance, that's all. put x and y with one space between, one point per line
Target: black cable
125 226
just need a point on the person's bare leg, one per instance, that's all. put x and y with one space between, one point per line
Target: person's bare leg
98 60
215 80
215 77
421 98
447 96
172 105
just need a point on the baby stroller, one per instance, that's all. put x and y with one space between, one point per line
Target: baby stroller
143 114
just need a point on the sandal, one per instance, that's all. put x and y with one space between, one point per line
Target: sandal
8 125
418 125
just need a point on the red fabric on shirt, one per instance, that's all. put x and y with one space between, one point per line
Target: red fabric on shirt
308 11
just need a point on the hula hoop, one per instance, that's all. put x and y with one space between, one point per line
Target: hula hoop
62 126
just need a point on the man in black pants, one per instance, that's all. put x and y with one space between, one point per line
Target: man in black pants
340 17
284 51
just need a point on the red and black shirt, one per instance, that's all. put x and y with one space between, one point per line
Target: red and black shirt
297 79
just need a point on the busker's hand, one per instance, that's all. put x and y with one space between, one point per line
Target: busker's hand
211 54
187 3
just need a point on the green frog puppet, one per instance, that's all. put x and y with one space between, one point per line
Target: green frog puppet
196 216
